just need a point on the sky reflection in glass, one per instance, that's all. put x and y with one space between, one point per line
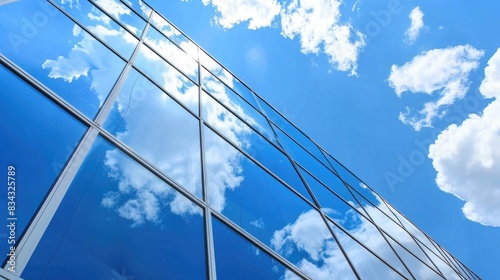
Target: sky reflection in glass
119 218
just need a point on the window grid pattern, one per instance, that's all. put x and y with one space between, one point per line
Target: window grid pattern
272 128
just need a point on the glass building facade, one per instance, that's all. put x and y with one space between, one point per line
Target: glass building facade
132 154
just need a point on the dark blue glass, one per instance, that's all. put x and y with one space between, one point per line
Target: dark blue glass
38 137
237 258
248 140
63 57
159 129
118 219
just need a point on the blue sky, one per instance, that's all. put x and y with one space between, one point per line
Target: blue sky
401 92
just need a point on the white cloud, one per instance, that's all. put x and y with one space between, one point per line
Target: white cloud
467 156
439 71
258 13
318 25
417 23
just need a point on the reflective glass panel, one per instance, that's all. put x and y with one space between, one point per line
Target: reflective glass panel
367 265
236 104
445 269
360 187
123 14
171 52
175 35
38 138
413 230
248 140
293 131
265 208
237 258
418 269
63 57
118 221
395 231
167 77
101 25
159 129
228 79
140 7
353 222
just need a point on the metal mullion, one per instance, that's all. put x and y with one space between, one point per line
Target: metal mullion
341 198
177 45
168 62
301 146
243 120
93 2
255 161
234 90
317 205
423 233
33 234
407 250
333 192
209 239
412 237
461 266
86 30
115 91
133 10
5 274
447 259
366 247
256 242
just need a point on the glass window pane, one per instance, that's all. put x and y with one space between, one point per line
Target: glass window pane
265 208
175 35
172 53
293 131
248 140
167 77
445 269
352 221
395 231
365 263
123 14
418 269
63 57
38 137
117 219
140 7
228 79
237 258
360 187
102 26
297 152
236 104
159 129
